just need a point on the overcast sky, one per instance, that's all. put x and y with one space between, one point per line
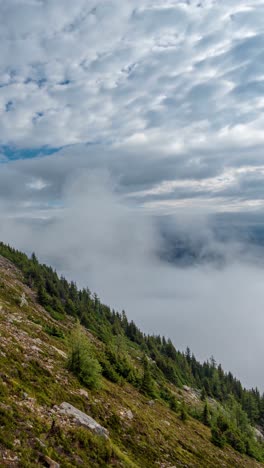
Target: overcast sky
113 112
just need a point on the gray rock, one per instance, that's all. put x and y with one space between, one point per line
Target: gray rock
83 393
258 434
186 388
23 300
82 419
126 413
51 463
151 402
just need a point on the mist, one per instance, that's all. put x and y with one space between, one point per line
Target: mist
99 239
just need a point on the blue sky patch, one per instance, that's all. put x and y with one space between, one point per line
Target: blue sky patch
12 153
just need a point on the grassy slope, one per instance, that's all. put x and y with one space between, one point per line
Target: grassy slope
33 379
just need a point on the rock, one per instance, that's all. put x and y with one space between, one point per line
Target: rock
51 463
23 301
60 352
82 419
167 423
127 413
83 393
151 402
258 434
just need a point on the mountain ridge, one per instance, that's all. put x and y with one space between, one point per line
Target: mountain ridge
164 431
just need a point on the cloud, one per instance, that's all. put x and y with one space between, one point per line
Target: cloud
98 71
157 108
111 246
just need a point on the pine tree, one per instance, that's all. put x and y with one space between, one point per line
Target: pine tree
183 413
206 415
203 394
147 384
80 360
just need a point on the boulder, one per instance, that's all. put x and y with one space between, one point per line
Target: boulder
82 419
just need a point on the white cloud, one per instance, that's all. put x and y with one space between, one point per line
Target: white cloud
37 184
87 70
100 241
165 98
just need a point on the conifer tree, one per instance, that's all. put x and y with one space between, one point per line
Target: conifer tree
206 415
183 413
80 359
147 384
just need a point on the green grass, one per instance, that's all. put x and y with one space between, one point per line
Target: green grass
34 378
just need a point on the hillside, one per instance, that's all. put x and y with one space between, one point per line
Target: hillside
145 418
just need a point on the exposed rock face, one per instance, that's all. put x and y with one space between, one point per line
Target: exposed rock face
81 418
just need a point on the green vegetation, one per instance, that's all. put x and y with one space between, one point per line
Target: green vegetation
147 384
206 415
107 352
80 361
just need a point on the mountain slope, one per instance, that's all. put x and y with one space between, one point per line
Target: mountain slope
34 381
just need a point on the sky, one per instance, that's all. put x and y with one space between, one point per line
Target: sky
117 116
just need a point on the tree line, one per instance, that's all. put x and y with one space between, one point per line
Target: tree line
61 297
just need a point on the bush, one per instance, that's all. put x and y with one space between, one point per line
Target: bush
173 403
235 440
98 449
80 360
108 371
54 331
183 413
218 437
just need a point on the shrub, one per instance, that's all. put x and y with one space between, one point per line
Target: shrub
173 403
54 331
218 437
235 440
183 413
80 360
108 371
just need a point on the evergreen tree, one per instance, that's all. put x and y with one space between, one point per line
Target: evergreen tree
203 394
147 384
206 415
183 412
80 360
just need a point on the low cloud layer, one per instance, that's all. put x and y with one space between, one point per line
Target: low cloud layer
97 239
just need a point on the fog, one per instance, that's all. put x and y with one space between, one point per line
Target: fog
100 240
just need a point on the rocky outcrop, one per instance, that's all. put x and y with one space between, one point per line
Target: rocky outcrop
81 419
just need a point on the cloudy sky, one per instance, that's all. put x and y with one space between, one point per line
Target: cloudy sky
117 115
